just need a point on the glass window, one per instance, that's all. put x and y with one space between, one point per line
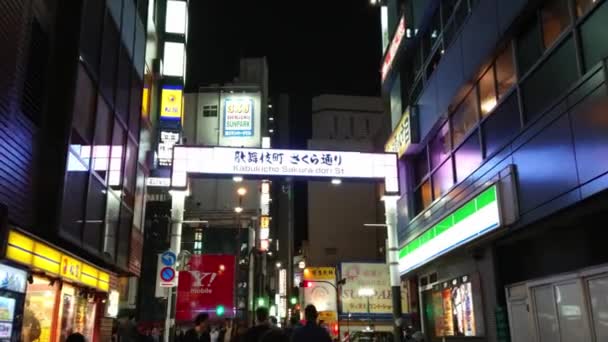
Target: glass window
123 84
41 300
487 92
111 224
139 199
103 139
545 84
582 6
555 19
434 62
209 111
74 199
505 71
424 196
502 125
465 117
443 179
598 293
93 226
130 169
593 36
396 103
116 154
545 314
421 166
135 105
440 146
529 46
352 127
84 107
90 34
109 58
468 157
570 309
124 237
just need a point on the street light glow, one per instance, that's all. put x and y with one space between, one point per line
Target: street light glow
366 292
278 264
336 181
241 191
237 179
238 210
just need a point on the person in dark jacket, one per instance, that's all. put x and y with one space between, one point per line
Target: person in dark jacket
262 325
200 332
311 331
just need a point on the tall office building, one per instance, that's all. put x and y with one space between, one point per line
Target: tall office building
498 112
337 212
74 141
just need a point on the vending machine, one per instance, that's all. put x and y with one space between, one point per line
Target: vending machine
12 296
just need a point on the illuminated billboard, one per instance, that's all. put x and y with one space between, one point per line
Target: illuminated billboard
238 116
171 103
275 162
389 57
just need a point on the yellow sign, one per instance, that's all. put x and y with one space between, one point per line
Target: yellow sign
38 255
401 138
264 222
70 268
320 273
171 103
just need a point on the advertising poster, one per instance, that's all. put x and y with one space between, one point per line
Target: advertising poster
7 309
448 312
67 316
464 318
208 284
6 329
38 310
322 295
238 117
373 276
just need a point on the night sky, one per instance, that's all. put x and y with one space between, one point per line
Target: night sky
313 47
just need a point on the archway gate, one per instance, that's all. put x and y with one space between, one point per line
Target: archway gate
193 161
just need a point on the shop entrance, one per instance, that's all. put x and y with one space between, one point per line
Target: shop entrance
569 308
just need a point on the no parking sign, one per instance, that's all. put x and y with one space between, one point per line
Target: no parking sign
167 276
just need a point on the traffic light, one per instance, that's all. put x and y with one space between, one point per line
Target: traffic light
220 310
304 284
293 300
335 328
261 301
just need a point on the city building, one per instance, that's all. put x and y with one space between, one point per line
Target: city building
73 164
338 210
497 112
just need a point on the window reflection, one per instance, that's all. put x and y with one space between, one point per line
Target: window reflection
440 146
505 71
468 157
80 156
443 179
424 196
555 19
465 118
487 92
582 6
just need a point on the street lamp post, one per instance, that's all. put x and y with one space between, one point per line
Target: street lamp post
367 293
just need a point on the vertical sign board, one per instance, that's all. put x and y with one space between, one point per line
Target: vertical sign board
167 275
171 103
238 116
207 285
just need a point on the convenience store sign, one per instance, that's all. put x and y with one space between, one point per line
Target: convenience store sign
475 218
38 255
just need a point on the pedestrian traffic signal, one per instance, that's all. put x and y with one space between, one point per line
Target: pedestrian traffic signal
293 300
220 310
261 302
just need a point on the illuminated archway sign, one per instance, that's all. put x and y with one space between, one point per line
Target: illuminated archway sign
192 160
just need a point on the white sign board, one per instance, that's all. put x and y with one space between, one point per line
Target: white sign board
373 276
238 116
158 182
275 162
165 147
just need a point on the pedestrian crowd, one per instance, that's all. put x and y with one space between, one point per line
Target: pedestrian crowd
265 329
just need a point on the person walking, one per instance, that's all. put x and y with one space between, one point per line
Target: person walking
200 332
262 325
311 331
294 324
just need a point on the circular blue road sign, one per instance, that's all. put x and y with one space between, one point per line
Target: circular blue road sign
168 258
167 274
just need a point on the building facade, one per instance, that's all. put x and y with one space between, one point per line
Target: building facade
337 211
75 140
497 111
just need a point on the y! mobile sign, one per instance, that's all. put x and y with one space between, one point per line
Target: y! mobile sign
393 48
207 285
274 162
238 117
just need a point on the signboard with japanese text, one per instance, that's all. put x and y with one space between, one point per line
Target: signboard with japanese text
171 103
401 138
206 285
389 57
275 162
373 276
238 116
168 139
321 294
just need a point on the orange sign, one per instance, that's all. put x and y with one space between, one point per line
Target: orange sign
70 268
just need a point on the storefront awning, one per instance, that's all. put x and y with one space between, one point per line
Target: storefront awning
39 255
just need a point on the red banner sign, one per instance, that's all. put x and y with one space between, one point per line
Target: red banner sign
208 286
